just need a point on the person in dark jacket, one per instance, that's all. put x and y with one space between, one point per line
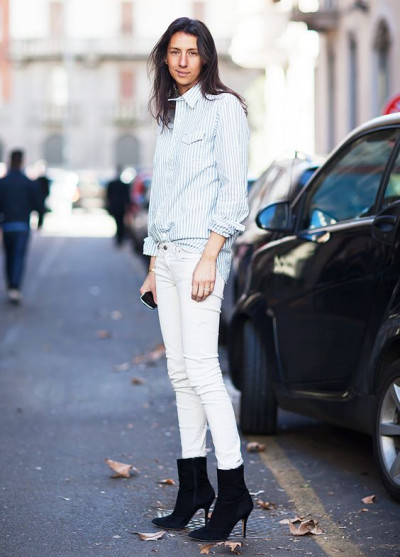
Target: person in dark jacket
19 196
44 191
118 201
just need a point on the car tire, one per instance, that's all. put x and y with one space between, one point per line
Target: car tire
258 407
387 430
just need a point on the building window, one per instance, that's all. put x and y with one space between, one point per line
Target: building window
353 83
56 18
53 150
59 86
198 10
382 45
126 18
126 87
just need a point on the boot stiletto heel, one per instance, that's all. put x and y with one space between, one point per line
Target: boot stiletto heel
244 525
234 503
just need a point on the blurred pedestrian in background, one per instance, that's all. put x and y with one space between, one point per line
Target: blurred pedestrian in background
118 201
19 196
44 189
197 202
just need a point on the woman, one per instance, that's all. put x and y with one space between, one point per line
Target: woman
198 201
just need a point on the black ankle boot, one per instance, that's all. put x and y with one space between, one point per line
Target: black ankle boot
195 492
234 503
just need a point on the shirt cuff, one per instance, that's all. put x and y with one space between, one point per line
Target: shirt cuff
226 228
149 246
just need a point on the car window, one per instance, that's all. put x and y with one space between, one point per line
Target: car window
278 189
306 176
392 190
258 190
347 188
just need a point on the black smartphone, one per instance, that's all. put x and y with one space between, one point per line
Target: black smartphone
148 300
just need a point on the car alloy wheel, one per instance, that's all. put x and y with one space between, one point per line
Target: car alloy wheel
387 441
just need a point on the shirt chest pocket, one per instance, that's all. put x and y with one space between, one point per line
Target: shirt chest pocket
194 148
189 138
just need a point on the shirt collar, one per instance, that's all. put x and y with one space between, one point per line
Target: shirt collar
191 96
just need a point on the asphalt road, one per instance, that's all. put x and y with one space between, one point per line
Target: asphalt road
81 381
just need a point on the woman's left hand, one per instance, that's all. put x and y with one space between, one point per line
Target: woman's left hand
203 280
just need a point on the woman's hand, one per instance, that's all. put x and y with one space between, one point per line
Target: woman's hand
203 280
149 284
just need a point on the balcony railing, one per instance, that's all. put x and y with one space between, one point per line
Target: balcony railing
52 115
323 15
129 113
88 50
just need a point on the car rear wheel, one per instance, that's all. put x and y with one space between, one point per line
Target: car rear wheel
387 430
258 408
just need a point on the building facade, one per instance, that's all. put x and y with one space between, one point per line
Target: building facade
73 76
281 100
358 68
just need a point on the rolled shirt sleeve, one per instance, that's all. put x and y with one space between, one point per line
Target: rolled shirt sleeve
149 246
231 143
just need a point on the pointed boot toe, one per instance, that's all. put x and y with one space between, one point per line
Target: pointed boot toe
195 493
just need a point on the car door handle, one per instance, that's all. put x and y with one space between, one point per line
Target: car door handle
384 227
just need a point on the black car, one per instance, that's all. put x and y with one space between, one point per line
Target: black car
317 330
281 181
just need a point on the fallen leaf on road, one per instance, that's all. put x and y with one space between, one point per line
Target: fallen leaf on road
266 505
291 520
255 447
122 367
205 549
152 536
104 334
121 469
168 481
137 381
305 527
116 315
233 546
369 500
153 355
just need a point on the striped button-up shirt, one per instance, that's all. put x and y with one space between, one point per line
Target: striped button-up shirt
200 175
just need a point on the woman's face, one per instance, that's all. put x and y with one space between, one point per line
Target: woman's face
184 61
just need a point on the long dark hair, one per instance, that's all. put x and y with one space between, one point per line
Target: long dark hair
164 86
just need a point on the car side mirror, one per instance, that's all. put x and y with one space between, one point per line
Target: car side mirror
275 217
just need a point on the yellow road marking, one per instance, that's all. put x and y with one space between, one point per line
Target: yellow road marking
306 501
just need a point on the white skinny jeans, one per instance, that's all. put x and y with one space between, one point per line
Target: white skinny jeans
190 334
